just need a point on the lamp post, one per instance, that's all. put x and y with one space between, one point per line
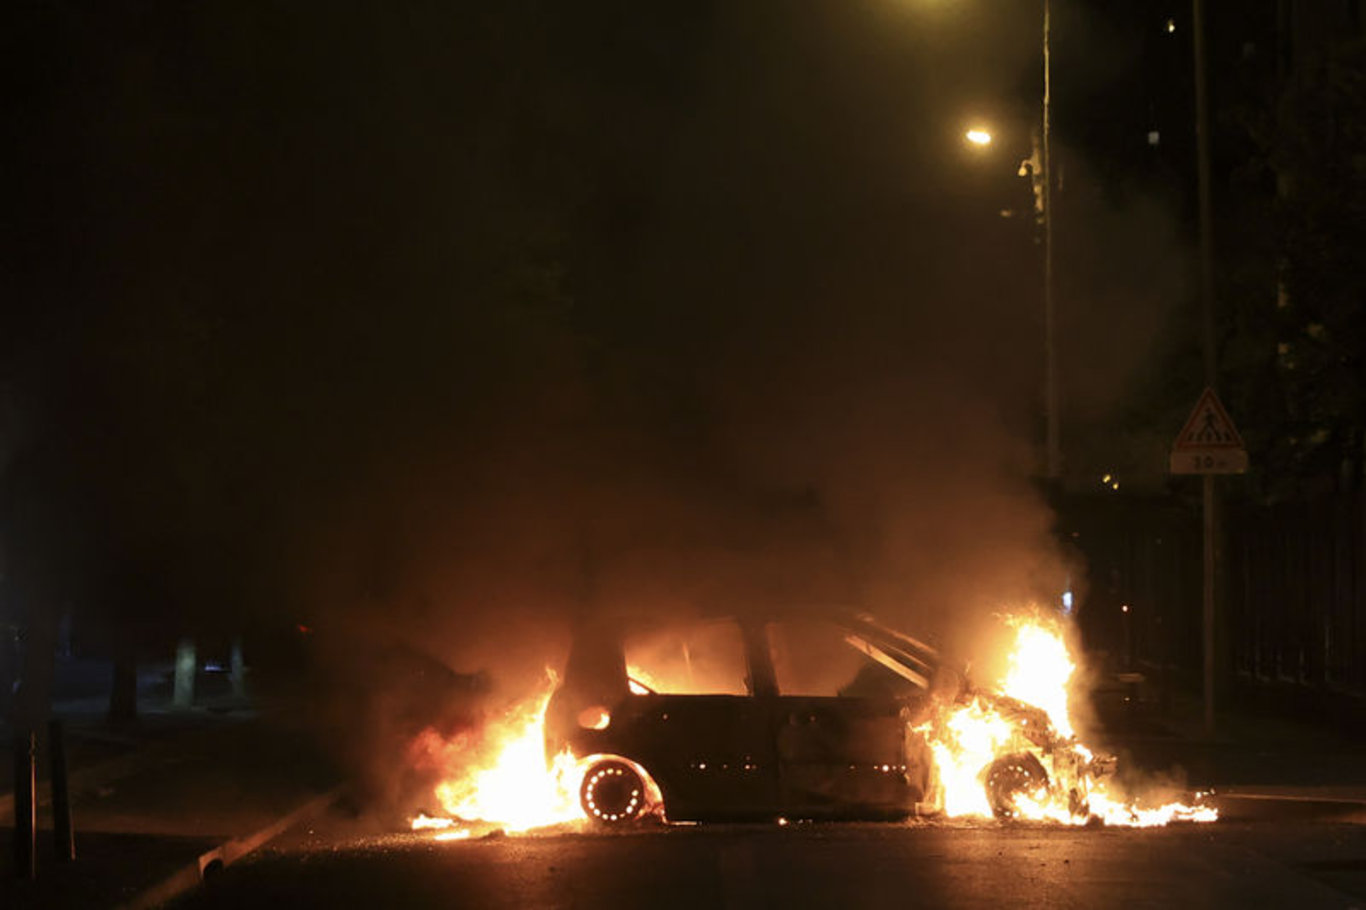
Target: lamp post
1052 441
1209 502
1039 168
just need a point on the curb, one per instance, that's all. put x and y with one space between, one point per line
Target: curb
1251 806
213 861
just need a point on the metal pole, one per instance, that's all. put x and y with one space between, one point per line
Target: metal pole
1053 447
1207 340
25 805
1207 489
63 835
1206 205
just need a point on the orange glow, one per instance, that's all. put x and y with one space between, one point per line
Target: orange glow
1040 669
642 683
1036 757
425 822
699 658
595 718
460 834
502 779
1017 739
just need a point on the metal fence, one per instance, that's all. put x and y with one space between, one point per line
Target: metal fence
1295 585
1292 589
1141 608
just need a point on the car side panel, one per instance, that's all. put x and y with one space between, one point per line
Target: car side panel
846 757
713 756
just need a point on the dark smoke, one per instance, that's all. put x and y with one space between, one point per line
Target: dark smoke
810 374
472 325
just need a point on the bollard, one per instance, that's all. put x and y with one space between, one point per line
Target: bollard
63 835
239 670
182 693
25 805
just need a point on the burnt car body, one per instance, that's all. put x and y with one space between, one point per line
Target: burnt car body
762 754
767 748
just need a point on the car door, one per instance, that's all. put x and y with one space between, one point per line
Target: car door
712 755
842 757
840 754
705 736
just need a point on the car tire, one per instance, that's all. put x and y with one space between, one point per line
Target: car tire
1010 777
613 793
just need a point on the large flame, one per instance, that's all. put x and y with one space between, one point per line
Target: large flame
501 780
969 740
1040 671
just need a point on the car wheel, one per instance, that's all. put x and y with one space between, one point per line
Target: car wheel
1010 777
613 793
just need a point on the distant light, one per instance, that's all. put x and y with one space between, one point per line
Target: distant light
1067 603
978 137
1154 137
1171 26
1107 478
1115 486
1124 609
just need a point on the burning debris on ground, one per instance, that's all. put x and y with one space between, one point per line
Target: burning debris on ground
941 748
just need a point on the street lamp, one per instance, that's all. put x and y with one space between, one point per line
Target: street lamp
1039 168
978 136
1052 445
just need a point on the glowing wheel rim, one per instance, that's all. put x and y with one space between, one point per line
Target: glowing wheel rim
613 793
1011 777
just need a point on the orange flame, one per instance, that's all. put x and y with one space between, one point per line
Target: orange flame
506 783
1040 670
1051 775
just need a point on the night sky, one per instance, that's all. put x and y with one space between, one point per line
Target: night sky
447 315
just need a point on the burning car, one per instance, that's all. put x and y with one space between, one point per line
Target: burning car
800 715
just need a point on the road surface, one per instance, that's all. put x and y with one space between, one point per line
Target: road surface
1304 864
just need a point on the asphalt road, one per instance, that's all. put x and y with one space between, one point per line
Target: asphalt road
1301 864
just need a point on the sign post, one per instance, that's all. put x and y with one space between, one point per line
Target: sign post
1209 444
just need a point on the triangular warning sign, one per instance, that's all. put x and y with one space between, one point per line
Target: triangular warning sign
1208 427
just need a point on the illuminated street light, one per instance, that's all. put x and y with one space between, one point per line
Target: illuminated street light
1039 168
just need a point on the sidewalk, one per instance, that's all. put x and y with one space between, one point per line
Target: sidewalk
154 800
1257 762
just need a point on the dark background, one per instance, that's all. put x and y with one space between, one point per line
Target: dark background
450 322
